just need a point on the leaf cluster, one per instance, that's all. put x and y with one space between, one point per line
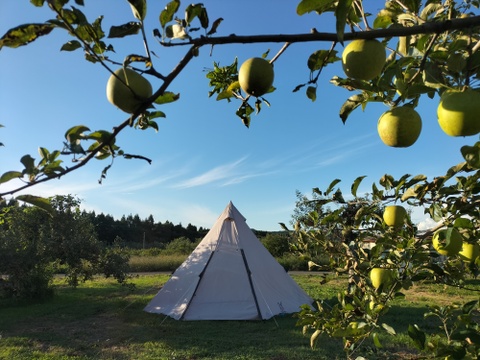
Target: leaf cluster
331 223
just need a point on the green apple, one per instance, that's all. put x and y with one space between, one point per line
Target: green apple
128 90
394 215
256 76
469 252
399 126
458 112
363 59
447 247
381 276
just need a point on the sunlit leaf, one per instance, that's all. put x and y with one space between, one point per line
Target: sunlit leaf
167 14
37 201
314 337
102 136
389 329
319 6
75 133
156 114
10 175
167 97
382 21
24 34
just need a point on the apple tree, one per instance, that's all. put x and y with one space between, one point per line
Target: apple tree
398 55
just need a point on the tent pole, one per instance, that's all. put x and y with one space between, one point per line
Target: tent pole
251 283
200 276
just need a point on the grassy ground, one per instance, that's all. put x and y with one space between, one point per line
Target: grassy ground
102 320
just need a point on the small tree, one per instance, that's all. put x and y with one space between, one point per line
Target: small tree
33 244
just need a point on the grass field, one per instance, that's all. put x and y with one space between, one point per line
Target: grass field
103 320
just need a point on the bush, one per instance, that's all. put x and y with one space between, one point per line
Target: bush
180 245
156 263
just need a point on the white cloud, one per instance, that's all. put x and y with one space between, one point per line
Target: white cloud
218 173
426 224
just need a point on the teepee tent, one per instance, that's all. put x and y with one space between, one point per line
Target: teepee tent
229 276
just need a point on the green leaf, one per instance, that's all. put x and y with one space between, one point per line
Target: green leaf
75 133
376 340
139 8
307 6
331 186
57 5
156 114
101 136
244 112
312 93
470 306
71 46
382 21
38 3
432 76
131 28
314 337
24 34
167 14
463 223
203 17
417 335
28 162
167 97
321 58
410 193
10 175
214 27
351 104
471 154
389 329
356 184
40 202
192 11
341 14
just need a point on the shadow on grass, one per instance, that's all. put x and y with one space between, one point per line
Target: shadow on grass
106 322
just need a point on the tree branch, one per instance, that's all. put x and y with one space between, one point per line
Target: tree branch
426 28
116 130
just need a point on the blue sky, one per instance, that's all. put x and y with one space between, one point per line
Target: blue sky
203 156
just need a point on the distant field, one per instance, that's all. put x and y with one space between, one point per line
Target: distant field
102 320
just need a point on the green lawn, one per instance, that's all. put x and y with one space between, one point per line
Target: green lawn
103 320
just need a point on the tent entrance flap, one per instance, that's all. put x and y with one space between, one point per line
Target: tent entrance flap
224 290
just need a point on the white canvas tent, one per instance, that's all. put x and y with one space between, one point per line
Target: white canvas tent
229 276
